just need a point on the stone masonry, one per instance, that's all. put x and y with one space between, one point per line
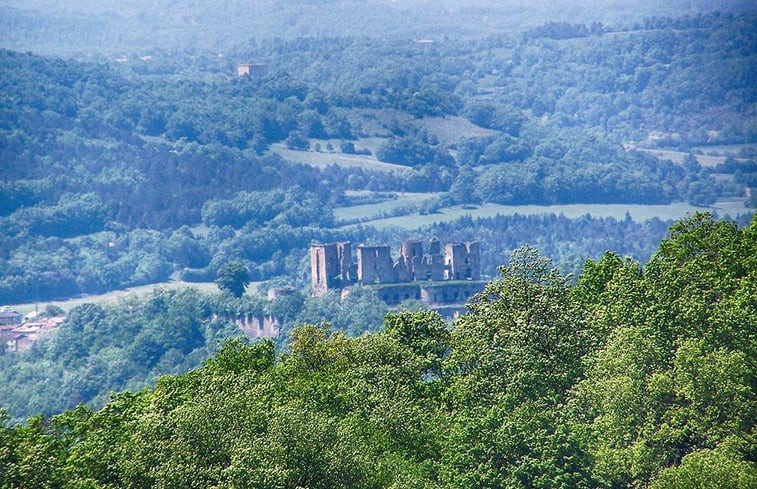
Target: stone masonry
412 275
331 267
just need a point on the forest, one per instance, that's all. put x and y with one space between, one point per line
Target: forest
167 165
104 349
631 375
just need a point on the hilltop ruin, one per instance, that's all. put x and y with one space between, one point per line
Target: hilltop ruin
434 277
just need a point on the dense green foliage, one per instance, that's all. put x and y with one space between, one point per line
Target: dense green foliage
166 164
101 349
147 158
233 278
632 377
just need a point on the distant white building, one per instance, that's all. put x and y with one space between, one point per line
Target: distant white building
252 69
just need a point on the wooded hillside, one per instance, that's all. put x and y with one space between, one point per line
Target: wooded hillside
633 377
167 164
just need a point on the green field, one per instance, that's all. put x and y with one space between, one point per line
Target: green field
450 129
713 155
116 295
323 159
447 129
379 209
722 149
678 156
618 211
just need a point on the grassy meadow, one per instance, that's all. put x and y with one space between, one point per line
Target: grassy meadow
380 210
323 159
707 156
618 211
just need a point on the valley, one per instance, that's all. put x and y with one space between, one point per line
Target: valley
378 244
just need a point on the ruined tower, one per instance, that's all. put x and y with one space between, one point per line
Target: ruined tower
411 258
374 264
411 248
463 260
331 266
434 246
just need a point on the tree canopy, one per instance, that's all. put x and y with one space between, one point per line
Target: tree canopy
233 277
633 376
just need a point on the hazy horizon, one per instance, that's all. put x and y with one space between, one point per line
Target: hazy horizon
82 27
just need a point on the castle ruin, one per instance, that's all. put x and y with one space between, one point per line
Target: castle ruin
429 277
331 267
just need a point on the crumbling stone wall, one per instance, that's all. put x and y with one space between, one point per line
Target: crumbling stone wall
450 293
374 265
332 266
259 327
431 293
255 326
323 266
463 260
394 294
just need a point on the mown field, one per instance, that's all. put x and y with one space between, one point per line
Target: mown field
324 158
448 130
618 211
383 209
707 156
678 157
722 149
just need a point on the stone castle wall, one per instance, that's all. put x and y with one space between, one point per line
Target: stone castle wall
434 294
463 260
333 269
324 266
374 265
